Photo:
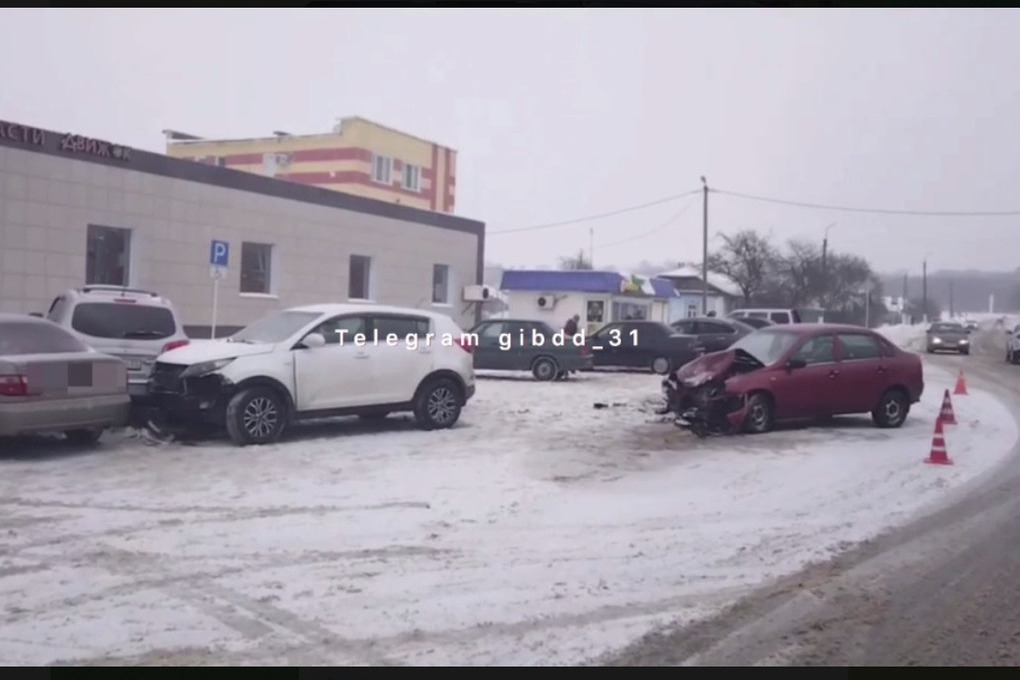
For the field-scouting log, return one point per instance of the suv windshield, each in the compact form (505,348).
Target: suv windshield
(947,328)
(766,345)
(275,327)
(19,337)
(123,321)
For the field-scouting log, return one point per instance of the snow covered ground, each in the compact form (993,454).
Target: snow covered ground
(541,530)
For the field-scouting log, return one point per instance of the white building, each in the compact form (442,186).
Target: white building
(598,297)
(76,211)
(723,293)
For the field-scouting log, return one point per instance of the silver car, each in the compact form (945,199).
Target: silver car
(948,336)
(50,381)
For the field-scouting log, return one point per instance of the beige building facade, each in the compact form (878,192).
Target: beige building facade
(77,211)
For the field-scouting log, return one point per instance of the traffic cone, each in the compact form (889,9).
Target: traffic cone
(946,415)
(938,454)
(961,384)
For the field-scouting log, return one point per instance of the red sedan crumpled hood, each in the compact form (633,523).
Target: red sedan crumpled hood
(716,366)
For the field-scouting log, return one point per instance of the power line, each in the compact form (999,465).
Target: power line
(599,216)
(876,211)
(646,234)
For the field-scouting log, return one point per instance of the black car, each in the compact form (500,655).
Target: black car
(527,345)
(714,334)
(643,344)
(756,322)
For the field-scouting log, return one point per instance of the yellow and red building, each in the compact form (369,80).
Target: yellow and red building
(358,157)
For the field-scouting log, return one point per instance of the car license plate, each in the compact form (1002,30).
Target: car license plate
(134,364)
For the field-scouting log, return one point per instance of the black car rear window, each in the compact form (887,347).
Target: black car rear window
(17,337)
(123,320)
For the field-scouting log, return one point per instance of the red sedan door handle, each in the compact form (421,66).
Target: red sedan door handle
(833,373)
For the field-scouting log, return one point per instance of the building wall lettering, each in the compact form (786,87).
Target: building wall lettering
(94,147)
(22,134)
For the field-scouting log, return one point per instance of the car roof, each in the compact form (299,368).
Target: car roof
(806,328)
(354,308)
(97,293)
(22,318)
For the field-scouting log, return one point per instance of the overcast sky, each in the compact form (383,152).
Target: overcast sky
(559,114)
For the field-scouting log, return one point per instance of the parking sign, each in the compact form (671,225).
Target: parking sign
(219,253)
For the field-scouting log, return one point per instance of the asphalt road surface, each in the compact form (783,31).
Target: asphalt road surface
(943,591)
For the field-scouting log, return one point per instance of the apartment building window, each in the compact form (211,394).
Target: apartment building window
(412,177)
(359,281)
(107,255)
(382,169)
(440,284)
(256,268)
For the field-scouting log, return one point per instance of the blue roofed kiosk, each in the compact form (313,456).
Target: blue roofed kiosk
(598,297)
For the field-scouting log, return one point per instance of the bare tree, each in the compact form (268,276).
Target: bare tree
(747,258)
(576,262)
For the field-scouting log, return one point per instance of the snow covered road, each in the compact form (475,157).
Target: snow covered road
(540,531)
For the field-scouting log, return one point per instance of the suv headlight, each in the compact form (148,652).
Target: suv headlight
(204,367)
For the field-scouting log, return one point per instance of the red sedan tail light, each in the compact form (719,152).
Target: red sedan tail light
(13,386)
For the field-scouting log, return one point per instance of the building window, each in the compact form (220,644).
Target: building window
(596,311)
(359,282)
(256,268)
(440,284)
(692,311)
(107,256)
(412,178)
(382,169)
(629,311)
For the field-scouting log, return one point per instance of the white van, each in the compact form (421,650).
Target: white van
(773,315)
(136,326)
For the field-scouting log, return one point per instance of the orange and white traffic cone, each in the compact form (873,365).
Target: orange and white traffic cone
(961,384)
(947,415)
(938,455)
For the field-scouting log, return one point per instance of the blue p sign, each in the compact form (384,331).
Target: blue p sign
(219,253)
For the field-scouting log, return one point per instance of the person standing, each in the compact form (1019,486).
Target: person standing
(570,328)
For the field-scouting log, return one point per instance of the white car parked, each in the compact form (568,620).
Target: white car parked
(1013,345)
(320,361)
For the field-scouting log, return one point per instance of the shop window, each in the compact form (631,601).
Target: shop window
(440,284)
(107,256)
(256,268)
(629,311)
(596,311)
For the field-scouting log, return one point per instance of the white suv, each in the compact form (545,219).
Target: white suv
(1013,345)
(133,325)
(319,361)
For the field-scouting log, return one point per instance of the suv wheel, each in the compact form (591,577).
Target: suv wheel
(256,416)
(437,405)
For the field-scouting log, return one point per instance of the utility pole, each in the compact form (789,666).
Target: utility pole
(903,302)
(591,247)
(924,290)
(704,251)
(951,315)
(825,262)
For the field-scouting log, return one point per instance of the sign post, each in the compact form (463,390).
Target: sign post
(219,256)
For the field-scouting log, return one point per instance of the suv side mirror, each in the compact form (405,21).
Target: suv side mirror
(313,340)
(794,364)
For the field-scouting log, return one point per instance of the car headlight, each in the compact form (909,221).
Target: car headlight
(204,367)
(936,340)
(965,341)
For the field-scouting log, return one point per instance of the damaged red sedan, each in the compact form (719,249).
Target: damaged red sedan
(795,372)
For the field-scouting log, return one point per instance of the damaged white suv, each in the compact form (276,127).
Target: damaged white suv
(319,361)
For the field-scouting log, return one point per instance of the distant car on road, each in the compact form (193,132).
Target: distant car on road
(947,336)
(970,324)
(319,361)
(793,372)
(776,316)
(50,381)
(527,345)
(713,333)
(643,344)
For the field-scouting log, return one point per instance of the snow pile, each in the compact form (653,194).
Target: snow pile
(906,336)
(539,531)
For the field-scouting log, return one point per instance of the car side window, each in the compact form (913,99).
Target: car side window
(817,350)
(779,317)
(342,329)
(858,346)
(635,334)
(490,332)
(399,326)
(686,327)
(714,328)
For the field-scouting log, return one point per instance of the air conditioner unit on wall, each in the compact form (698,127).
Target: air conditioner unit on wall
(546,302)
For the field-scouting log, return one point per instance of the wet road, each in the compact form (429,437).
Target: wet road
(943,591)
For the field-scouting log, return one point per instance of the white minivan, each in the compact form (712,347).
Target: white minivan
(133,325)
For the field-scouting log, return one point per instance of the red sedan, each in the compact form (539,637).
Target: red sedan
(794,372)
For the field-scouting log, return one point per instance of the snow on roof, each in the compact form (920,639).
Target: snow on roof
(720,281)
(585,281)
